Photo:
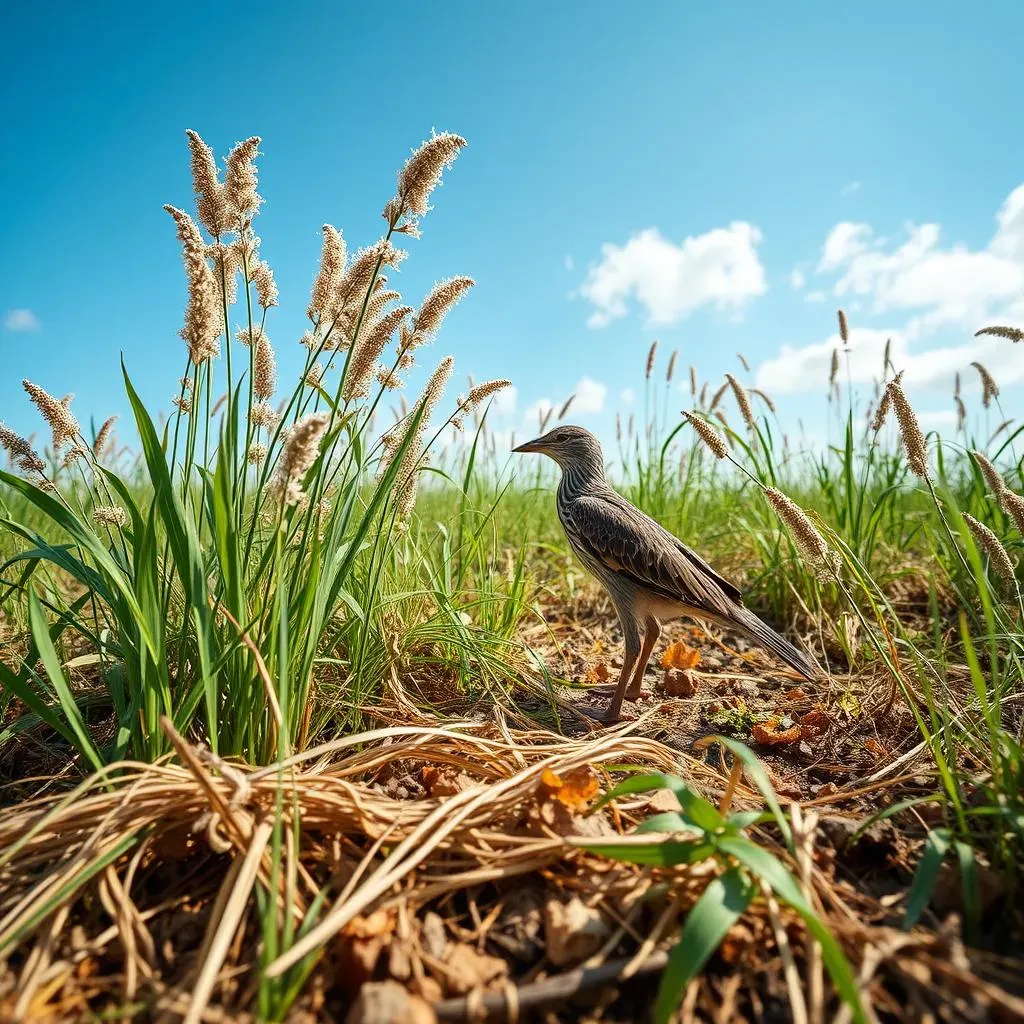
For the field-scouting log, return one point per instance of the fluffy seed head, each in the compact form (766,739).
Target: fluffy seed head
(961,412)
(99,445)
(240,179)
(764,398)
(910,429)
(718,396)
(956,384)
(20,451)
(314,374)
(299,453)
(202,315)
(651,353)
(804,532)
(183,403)
(57,415)
(833,372)
(360,276)
(256,454)
(389,379)
(262,415)
(989,388)
(998,557)
(671,366)
(1013,505)
(884,404)
(886,361)
(109,515)
(367,351)
(332,265)
(992,476)
(211,202)
(742,401)
(743,361)
(481,392)
(566,406)
(422,174)
(1010,333)
(412,458)
(266,286)
(708,435)
(693,381)
(844,328)
(442,297)
(264,370)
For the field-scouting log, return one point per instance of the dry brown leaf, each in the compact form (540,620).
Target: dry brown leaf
(769,733)
(444,781)
(794,695)
(680,655)
(679,683)
(815,721)
(574,790)
(572,931)
(876,748)
(468,969)
(598,673)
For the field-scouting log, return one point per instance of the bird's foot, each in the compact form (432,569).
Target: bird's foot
(605,716)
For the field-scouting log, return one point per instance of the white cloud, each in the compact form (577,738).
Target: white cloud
(590,395)
(628,396)
(720,268)
(851,188)
(537,412)
(797,279)
(21,320)
(815,296)
(806,369)
(940,285)
(937,419)
(845,241)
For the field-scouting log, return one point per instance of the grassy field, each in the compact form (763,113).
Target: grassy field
(291,707)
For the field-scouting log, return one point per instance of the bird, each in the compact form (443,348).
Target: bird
(650,575)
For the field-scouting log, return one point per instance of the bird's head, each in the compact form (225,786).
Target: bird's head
(570,447)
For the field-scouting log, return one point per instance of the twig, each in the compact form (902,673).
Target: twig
(562,986)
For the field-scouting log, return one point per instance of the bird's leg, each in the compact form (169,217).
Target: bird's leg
(650,639)
(629,658)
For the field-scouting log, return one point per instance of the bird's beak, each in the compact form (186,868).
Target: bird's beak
(530,446)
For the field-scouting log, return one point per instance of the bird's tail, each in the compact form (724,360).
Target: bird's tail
(747,621)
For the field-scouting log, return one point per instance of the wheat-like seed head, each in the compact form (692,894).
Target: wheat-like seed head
(961,412)
(99,445)
(264,370)
(844,327)
(20,452)
(436,305)
(262,414)
(367,351)
(332,265)
(886,361)
(618,428)
(1013,505)
(910,429)
(764,398)
(669,373)
(422,174)
(651,354)
(299,453)
(884,404)
(989,388)
(742,401)
(631,428)
(703,400)
(833,372)
(804,532)
(211,202)
(993,478)
(998,556)
(1002,426)
(566,406)
(257,454)
(708,434)
(266,287)
(109,515)
(226,265)
(718,396)
(359,277)
(956,384)
(203,313)
(389,379)
(56,413)
(1010,333)
(693,381)
(743,361)
(240,180)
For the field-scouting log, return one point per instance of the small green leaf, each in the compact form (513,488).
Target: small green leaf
(936,846)
(666,854)
(699,811)
(707,924)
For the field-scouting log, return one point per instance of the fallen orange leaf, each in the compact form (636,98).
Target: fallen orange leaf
(769,733)
(680,655)
(795,694)
(598,673)
(574,791)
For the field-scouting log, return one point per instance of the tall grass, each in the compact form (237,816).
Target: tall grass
(255,577)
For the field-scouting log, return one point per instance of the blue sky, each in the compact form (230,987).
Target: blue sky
(669,174)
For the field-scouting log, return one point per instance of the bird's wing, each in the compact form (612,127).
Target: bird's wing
(634,545)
